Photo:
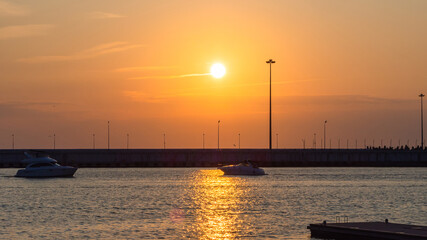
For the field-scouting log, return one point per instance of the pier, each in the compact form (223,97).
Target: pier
(368,231)
(214,157)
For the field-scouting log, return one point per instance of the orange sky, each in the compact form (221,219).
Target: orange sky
(67,68)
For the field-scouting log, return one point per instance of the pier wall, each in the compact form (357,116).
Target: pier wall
(214,157)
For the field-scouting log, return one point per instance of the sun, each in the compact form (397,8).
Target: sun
(217,70)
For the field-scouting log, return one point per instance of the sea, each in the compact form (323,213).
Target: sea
(201,203)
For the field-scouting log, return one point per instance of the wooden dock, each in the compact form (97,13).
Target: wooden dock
(368,230)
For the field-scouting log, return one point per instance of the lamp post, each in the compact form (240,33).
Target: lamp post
(108,134)
(314,141)
(270,62)
(218,133)
(324,134)
(164,141)
(127,141)
(422,130)
(239,140)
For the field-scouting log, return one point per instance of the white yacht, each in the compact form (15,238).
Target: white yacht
(246,168)
(42,166)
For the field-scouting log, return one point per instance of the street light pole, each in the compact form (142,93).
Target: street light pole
(239,140)
(108,133)
(127,141)
(324,134)
(270,62)
(422,121)
(314,141)
(218,133)
(164,141)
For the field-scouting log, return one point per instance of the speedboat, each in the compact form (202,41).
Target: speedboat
(43,167)
(246,168)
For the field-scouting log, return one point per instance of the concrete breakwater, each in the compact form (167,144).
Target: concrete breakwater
(214,157)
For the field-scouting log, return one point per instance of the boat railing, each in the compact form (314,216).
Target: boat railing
(341,219)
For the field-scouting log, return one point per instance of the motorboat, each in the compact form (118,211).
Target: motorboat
(42,166)
(245,168)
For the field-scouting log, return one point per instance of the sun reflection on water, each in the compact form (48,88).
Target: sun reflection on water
(218,205)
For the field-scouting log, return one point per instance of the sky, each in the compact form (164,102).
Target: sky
(69,67)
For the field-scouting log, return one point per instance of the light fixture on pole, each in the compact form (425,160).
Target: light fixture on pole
(270,62)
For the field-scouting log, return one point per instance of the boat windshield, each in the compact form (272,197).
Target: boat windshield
(35,165)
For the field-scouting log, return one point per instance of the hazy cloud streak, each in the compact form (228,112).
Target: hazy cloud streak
(24,30)
(105,15)
(172,76)
(88,53)
(9,9)
(142,68)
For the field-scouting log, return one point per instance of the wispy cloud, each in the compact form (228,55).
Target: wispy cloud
(7,109)
(105,15)
(24,30)
(85,54)
(142,68)
(171,76)
(9,9)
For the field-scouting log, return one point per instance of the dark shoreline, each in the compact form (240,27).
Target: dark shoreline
(213,157)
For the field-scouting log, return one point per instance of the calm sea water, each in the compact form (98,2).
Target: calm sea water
(194,203)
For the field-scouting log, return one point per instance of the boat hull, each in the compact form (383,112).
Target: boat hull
(241,170)
(48,172)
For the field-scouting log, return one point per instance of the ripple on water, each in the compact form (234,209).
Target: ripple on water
(203,204)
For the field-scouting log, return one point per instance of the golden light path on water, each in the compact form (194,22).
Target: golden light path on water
(218,201)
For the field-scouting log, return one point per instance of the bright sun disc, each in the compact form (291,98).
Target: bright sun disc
(217,70)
